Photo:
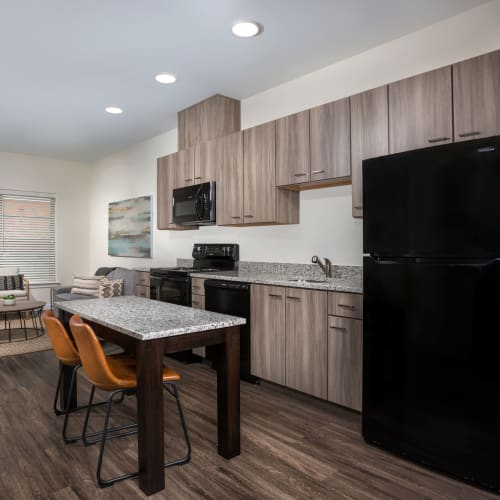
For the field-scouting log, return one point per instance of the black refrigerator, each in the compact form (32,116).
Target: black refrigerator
(431,340)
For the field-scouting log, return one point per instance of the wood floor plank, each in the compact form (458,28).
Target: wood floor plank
(293,446)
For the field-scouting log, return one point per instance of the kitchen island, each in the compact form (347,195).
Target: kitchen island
(149,329)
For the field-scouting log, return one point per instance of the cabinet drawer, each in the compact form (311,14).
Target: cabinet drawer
(197,286)
(142,291)
(142,278)
(345,361)
(198,301)
(349,305)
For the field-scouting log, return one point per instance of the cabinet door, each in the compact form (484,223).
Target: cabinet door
(184,172)
(292,149)
(420,111)
(259,170)
(369,137)
(267,338)
(208,158)
(330,141)
(230,180)
(165,184)
(306,341)
(476,97)
(345,361)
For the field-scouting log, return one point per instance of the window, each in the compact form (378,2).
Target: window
(27,236)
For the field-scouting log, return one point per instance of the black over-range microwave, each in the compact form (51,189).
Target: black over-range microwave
(194,205)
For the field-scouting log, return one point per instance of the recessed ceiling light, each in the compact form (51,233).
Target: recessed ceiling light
(165,78)
(113,110)
(247,29)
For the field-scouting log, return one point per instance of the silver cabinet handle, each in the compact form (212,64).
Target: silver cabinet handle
(195,286)
(299,175)
(438,139)
(358,206)
(469,134)
(195,302)
(275,295)
(248,216)
(293,298)
(339,328)
(347,306)
(235,217)
(197,178)
(317,172)
(188,180)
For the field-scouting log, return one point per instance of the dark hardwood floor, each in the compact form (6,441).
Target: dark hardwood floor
(293,447)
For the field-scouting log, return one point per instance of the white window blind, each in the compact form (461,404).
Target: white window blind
(28,236)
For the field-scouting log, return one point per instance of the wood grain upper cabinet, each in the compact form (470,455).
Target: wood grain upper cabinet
(229,152)
(369,137)
(476,97)
(259,167)
(208,156)
(267,339)
(214,117)
(184,173)
(330,141)
(306,341)
(292,149)
(166,183)
(420,111)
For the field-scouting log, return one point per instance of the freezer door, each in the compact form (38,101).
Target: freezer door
(431,381)
(442,201)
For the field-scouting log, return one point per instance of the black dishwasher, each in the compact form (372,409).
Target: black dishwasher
(232,297)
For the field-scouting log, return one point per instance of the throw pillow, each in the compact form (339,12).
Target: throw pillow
(86,285)
(14,282)
(110,288)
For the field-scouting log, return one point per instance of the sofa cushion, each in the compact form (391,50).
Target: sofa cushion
(16,293)
(128,277)
(86,285)
(9,271)
(71,296)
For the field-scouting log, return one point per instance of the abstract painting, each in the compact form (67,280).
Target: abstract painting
(129,233)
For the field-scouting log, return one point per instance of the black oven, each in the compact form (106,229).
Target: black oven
(169,288)
(194,205)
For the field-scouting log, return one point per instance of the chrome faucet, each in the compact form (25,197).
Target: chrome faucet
(326,267)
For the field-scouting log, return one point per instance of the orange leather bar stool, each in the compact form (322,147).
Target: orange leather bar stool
(67,354)
(118,377)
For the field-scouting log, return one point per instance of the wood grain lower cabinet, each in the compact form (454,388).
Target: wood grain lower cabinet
(420,111)
(268,333)
(330,141)
(292,149)
(306,341)
(345,361)
(369,137)
(198,302)
(476,97)
(142,284)
(229,153)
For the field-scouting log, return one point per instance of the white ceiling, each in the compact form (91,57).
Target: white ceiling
(63,61)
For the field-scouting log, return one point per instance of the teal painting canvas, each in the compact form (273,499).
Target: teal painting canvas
(129,229)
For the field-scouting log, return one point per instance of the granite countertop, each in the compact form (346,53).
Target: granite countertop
(347,284)
(146,319)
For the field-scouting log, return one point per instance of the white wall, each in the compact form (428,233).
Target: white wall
(326,227)
(69,181)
